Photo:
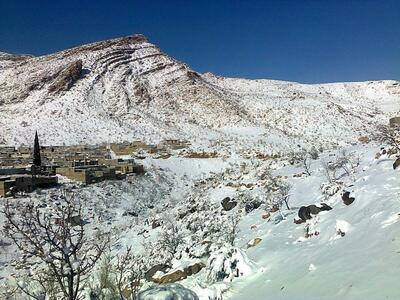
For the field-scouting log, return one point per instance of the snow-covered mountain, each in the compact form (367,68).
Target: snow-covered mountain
(233,237)
(126,88)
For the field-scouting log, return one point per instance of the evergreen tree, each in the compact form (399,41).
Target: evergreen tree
(36,152)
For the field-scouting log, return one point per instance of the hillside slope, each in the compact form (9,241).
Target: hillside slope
(359,263)
(126,88)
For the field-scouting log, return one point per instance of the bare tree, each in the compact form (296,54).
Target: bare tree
(388,135)
(306,163)
(328,171)
(233,228)
(303,158)
(128,271)
(283,194)
(280,196)
(120,276)
(58,241)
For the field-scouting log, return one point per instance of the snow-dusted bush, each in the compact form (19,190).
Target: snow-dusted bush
(331,188)
(171,238)
(119,277)
(226,263)
(344,161)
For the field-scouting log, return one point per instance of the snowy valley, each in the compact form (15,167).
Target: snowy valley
(285,190)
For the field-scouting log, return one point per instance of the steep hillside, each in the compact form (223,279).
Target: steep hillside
(126,88)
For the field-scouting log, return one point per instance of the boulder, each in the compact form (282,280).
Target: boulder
(194,269)
(253,242)
(396,163)
(153,270)
(130,213)
(314,209)
(298,221)
(250,206)
(306,211)
(274,209)
(155,224)
(228,203)
(394,122)
(347,199)
(174,275)
(266,216)
(170,277)
(364,139)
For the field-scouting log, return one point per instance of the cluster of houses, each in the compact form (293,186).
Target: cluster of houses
(24,169)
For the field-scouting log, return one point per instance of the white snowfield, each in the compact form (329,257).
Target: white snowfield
(127,89)
(361,264)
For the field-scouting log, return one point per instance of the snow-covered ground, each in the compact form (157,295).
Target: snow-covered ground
(127,89)
(363,264)
(352,253)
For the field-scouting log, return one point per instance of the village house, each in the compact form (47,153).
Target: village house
(173,144)
(88,174)
(91,171)
(9,185)
(82,163)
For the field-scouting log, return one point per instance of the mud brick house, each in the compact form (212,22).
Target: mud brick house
(173,144)
(88,174)
(24,183)
(124,166)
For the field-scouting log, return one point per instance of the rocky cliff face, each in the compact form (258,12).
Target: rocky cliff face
(126,88)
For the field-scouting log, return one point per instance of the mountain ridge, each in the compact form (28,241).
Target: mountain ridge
(126,88)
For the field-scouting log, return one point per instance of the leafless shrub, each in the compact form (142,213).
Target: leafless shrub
(328,171)
(304,158)
(119,277)
(66,254)
(344,161)
(347,161)
(281,196)
(232,229)
(171,238)
(306,163)
(388,135)
(129,270)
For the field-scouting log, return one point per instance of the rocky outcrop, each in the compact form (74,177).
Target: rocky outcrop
(67,77)
(250,206)
(394,122)
(134,90)
(155,224)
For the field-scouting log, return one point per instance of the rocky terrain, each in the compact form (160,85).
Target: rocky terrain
(126,88)
(282,192)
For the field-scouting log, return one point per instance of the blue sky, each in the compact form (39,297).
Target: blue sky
(305,41)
